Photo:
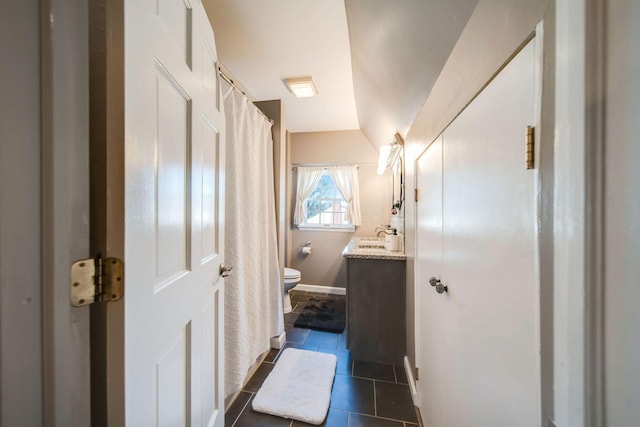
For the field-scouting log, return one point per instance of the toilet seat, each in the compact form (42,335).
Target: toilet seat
(291,279)
(291,275)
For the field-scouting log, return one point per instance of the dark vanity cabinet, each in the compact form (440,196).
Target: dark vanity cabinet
(376,310)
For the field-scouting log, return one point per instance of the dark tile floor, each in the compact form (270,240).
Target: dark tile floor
(364,394)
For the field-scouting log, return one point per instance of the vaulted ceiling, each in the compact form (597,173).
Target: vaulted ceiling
(374,61)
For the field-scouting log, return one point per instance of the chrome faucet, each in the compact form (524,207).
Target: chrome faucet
(386,229)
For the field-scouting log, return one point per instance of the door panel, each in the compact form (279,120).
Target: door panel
(172,194)
(209,242)
(429,311)
(210,77)
(209,375)
(176,17)
(173,217)
(479,342)
(172,384)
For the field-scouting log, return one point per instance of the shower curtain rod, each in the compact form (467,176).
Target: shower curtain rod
(295,166)
(233,85)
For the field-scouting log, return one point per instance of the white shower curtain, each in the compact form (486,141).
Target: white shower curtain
(253,292)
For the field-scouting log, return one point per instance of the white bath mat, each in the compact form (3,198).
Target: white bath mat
(298,387)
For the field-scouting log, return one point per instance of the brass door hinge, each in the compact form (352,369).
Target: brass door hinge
(417,373)
(415,195)
(530,147)
(96,279)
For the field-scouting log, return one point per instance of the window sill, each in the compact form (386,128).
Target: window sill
(333,228)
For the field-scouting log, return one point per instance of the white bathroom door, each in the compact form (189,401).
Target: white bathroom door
(430,310)
(174,217)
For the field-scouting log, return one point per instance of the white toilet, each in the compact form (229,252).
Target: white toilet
(291,278)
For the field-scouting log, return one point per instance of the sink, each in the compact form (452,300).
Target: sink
(371,243)
(371,240)
(372,246)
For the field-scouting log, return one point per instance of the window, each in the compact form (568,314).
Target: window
(327,198)
(325,205)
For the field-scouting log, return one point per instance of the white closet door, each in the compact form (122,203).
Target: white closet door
(430,310)
(490,255)
(174,192)
(479,342)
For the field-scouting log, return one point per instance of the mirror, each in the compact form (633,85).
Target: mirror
(398,194)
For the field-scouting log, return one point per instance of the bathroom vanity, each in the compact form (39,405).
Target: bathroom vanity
(376,302)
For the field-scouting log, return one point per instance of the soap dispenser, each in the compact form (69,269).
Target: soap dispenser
(393,241)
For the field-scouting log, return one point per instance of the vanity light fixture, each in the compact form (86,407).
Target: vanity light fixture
(302,87)
(389,154)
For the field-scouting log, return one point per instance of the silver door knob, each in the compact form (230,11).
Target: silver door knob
(433,281)
(225,270)
(440,288)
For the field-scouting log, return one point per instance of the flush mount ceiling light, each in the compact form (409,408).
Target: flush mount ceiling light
(389,154)
(302,87)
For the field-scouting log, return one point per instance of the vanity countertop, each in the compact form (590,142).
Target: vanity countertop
(370,248)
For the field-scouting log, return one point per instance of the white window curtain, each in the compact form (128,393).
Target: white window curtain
(308,178)
(346,180)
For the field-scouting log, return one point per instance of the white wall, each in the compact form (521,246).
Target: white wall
(65,170)
(44,341)
(326,266)
(21,373)
(275,111)
(622,215)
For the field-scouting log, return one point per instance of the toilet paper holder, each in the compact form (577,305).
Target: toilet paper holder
(305,248)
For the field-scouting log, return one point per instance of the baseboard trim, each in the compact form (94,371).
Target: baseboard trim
(412,381)
(320,289)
